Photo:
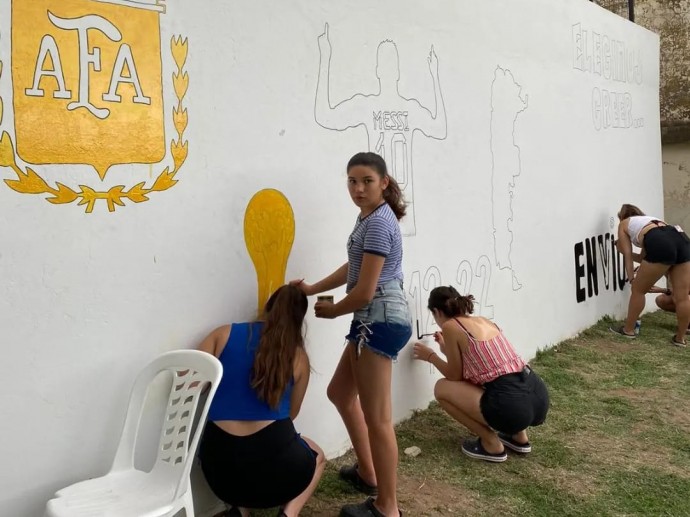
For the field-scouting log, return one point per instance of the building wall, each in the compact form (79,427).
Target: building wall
(165,167)
(671,20)
(677,184)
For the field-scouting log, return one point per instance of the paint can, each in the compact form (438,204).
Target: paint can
(325,298)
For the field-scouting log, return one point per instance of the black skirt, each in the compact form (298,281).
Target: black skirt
(263,470)
(512,403)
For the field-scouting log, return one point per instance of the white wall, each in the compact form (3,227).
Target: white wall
(87,298)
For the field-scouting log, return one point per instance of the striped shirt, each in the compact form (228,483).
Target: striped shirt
(379,234)
(485,361)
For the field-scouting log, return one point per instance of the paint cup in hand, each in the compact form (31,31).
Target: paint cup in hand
(325,298)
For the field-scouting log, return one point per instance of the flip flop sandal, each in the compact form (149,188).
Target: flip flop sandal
(680,344)
(351,475)
(474,449)
(365,509)
(621,332)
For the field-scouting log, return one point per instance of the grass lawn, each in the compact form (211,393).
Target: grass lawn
(616,441)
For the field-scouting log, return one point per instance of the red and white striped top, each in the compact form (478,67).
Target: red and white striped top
(485,361)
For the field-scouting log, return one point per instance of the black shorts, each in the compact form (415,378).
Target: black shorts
(666,245)
(263,470)
(514,402)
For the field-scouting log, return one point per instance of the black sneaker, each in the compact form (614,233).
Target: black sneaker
(507,440)
(365,509)
(473,448)
(351,475)
(621,332)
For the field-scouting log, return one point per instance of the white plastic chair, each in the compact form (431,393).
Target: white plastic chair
(165,490)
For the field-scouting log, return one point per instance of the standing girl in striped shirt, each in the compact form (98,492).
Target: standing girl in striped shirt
(488,388)
(381,326)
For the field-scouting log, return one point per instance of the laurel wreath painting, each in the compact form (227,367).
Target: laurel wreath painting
(28,182)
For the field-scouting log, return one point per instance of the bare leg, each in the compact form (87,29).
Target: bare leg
(374,384)
(680,279)
(342,392)
(460,400)
(295,506)
(521,437)
(665,303)
(647,275)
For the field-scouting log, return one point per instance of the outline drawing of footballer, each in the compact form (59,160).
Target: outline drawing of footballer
(389,119)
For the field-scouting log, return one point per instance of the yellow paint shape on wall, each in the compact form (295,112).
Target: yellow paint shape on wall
(269,231)
(87,83)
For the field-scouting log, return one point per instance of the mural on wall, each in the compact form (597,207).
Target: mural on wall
(468,280)
(587,266)
(88,88)
(269,231)
(507,103)
(389,119)
(616,63)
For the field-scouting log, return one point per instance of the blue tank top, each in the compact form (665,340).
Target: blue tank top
(235,398)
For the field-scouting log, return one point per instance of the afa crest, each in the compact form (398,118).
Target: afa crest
(88,86)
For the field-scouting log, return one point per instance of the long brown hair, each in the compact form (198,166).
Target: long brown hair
(281,336)
(450,302)
(392,194)
(628,210)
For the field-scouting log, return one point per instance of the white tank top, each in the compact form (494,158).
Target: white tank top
(635,225)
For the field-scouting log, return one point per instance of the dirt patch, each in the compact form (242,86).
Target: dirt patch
(417,497)
(673,408)
(639,396)
(679,415)
(576,483)
(631,453)
(428,497)
(610,346)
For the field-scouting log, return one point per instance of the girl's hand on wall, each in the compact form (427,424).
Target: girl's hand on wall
(422,352)
(438,337)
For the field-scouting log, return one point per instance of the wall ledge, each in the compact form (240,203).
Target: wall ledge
(675,131)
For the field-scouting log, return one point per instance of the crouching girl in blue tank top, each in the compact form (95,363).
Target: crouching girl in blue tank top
(250,453)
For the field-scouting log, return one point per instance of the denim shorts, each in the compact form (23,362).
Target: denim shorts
(384,324)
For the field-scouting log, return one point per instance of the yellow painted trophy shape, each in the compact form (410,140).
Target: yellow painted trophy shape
(269,231)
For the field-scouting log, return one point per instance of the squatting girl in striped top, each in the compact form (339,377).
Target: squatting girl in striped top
(488,388)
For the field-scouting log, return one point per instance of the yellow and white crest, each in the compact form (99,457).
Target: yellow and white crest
(87,86)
